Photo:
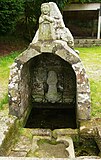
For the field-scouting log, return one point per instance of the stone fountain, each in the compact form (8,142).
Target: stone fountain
(49,76)
(50,71)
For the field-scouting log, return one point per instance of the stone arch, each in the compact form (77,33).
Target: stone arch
(19,103)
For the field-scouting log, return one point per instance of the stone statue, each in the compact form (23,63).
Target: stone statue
(51,25)
(52,95)
(45,23)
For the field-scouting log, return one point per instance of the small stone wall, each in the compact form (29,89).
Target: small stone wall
(87,42)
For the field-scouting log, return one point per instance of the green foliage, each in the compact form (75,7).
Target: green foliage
(10,11)
(85,147)
(4,101)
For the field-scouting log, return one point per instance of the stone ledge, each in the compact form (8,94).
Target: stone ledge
(87,42)
(7,131)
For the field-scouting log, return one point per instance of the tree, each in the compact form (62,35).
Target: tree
(10,11)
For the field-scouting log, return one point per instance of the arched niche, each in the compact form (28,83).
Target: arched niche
(29,84)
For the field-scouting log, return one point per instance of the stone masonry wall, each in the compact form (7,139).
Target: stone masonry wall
(44,64)
(87,42)
(19,89)
(19,82)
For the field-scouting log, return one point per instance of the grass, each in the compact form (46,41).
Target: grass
(96,97)
(4,101)
(5,63)
(91,58)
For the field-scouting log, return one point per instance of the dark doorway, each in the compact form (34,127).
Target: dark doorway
(51,118)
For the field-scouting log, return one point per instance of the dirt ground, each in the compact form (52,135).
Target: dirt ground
(8,46)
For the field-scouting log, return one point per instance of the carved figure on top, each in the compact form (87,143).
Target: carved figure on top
(46,23)
(51,25)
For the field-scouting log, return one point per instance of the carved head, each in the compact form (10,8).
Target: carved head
(45,8)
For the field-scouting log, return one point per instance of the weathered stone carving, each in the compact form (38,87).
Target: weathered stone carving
(49,70)
(52,94)
(51,25)
(46,24)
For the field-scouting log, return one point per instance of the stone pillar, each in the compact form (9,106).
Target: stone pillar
(99,24)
